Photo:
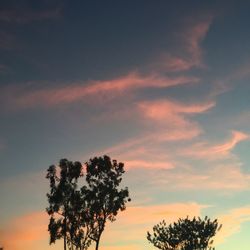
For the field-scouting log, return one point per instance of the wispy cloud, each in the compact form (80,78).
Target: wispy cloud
(30,230)
(194,35)
(3,68)
(189,40)
(147,164)
(162,110)
(25,15)
(232,222)
(217,151)
(27,230)
(207,178)
(140,219)
(7,40)
(172,118)
(162,121)
(27,97)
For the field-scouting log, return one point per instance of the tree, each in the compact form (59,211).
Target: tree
(104,198)
(79,214)
(65,202)
(185,234)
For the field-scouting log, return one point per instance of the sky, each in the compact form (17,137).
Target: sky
(162,86)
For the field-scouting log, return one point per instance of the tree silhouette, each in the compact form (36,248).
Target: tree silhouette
(65,202)
(78,215)
(185,234)
(103,195)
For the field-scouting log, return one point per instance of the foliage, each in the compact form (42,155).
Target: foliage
(65,203)
(185,234)
(78,215)
(104,199)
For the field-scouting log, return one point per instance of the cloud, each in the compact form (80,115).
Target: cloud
(209,178)
(189,41)
(7,41)
(3,68)
(30,230)
(217,151)
(147,164)
(27,230)
(194,35)
(140,219)
(165,109)
(232,222)
(27,97)
(163,122)
(25,15)
(171,118)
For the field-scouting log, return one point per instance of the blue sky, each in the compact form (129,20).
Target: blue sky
(162,86)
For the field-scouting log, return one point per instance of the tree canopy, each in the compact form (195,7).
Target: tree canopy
(185,234)
(62,201)
(78,214)
(105,199)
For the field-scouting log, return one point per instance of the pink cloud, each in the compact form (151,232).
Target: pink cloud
(132,164)
(189,41)
(218,151)
(25,97)
(172,63)
(194,35)
(172,118)
(162,121)
(170,110)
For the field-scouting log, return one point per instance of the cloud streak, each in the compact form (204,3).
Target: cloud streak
(232,222)
(217,151)
(23,16)
(30,230)
(27,230)
(27,97)
(189,41)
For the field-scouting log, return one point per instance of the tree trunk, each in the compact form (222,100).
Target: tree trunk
(64,237)
(97,244)
(65,242)
(98,241)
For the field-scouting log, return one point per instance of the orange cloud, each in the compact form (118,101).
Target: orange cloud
(25,232)
(30,231)
(140,219)
(231,223)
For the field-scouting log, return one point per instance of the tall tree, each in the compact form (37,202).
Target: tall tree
(185,234)
(104,198)
(65,202)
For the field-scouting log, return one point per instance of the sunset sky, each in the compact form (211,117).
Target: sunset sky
(163,86)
